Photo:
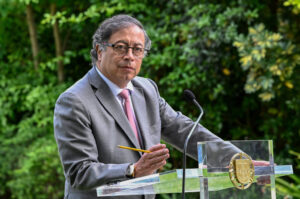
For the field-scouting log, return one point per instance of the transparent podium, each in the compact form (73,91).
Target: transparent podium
(228,169)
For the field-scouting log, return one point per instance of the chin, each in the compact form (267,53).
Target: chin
(129,77)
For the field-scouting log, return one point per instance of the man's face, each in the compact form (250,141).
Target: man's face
(120,69)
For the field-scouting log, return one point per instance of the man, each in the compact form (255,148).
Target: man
(112,106)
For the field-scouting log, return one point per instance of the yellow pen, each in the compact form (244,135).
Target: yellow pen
(134,149)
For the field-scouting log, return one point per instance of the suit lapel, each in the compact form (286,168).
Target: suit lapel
(109,102)
(139,104)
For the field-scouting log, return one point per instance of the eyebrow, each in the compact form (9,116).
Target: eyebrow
(122,41)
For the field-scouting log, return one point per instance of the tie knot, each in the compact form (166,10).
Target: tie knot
(125,94)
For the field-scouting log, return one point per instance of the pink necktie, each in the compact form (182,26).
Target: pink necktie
(125,94)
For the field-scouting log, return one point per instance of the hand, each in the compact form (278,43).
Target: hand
(260,163)
(262,180)
(150,162)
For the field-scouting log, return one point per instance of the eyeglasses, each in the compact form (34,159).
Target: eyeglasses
(122,49)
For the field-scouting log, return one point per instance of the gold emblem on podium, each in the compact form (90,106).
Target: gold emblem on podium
(241,171)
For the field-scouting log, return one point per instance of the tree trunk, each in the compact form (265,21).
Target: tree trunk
(58,46)
(33,35)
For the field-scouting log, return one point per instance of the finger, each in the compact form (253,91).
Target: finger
(157,165)
(158,159)
(261,163)
(147,159)
(147,166)
(157,147)
(146,169)
(158,153)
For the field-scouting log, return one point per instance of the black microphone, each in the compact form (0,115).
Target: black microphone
(189,96)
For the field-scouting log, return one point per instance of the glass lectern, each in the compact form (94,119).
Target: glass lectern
(228,169)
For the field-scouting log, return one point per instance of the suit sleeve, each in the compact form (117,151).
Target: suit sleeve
(77,146)
(176,126)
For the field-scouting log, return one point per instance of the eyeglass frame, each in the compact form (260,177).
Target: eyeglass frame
(146,51)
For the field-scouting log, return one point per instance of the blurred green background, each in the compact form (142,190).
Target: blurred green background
(241,58)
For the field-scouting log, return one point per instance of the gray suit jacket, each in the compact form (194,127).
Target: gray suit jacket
(89,124)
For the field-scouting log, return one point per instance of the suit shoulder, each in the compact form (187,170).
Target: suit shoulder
(148,86)
(79,89)
(145,82)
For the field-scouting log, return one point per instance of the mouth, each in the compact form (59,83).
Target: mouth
(127,67)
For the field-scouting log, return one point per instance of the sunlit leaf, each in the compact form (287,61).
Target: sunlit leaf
(266,96)
(289,85)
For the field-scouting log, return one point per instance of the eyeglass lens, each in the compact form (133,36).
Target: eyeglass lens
(123,49)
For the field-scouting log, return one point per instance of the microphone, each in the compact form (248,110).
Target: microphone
(189,96)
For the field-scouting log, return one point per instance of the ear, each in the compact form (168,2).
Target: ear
(99,53)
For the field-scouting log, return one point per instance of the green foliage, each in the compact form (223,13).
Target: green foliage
(295,4)
(41,173)
(28,150)
(241,63)
(269,60)
(192,49)
(91,12)
(28,1)
(291,187)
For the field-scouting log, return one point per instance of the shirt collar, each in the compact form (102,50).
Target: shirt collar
(113,87)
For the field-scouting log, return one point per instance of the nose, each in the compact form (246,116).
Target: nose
(129,53)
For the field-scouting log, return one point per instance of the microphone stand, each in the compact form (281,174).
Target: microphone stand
(185,146)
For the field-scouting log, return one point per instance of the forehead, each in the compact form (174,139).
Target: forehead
(131,35)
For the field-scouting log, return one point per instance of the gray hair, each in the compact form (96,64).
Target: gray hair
(109,27)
